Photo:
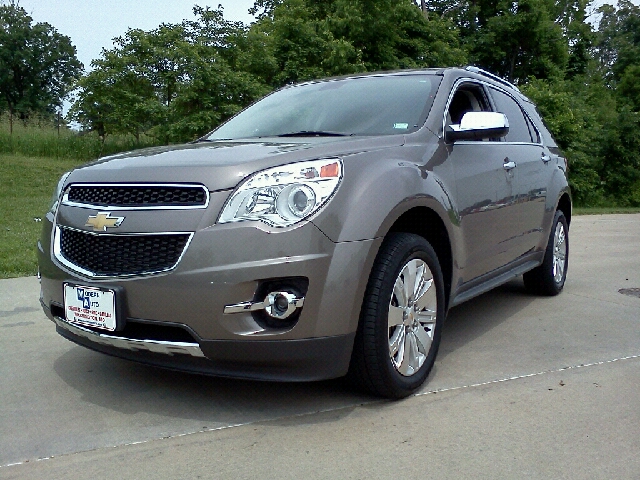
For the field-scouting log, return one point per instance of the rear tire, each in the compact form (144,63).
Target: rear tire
(549,277)
(401,319)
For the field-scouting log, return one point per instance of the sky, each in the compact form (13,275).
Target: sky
(92,24)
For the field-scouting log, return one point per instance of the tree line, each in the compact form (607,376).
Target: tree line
(581,66)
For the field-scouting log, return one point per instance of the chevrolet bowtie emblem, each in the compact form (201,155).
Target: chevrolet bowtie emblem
(102,221)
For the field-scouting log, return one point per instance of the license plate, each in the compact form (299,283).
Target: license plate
(90,306)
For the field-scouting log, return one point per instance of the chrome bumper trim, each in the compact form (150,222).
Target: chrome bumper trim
(156,346)
(255,306)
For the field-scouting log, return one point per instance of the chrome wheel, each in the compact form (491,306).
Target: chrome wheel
(549,277)
(412,317)
(559,253)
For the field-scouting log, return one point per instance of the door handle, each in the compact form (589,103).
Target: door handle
(510,165)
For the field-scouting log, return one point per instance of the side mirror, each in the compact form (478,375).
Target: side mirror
(478,125)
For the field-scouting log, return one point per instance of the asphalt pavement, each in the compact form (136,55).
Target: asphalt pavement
(523,387)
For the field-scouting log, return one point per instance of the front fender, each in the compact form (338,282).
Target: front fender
(375,192)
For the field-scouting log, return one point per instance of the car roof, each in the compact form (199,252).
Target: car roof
(460,71)
(470,71)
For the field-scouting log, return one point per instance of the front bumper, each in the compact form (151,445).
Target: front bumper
(279,360)
(224,265)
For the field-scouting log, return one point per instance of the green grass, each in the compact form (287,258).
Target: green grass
(26,185)
(604,210)
(44,140)
(32,159)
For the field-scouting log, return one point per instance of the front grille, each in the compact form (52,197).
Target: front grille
(132,196)
(119,255)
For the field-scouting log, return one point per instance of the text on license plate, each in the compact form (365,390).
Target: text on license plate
(90,306)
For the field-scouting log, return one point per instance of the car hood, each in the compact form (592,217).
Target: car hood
(220,165)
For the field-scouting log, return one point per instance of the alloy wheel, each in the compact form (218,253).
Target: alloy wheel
(412,317)
(559,253)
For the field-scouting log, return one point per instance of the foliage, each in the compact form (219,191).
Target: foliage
(305,39)
(573,114)
(38,137)
(592,109)
(176,82)
(620,150)
(173,83)
(619,40)
(38,65)
(514,39)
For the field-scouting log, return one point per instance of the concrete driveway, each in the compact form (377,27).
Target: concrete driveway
(523,387)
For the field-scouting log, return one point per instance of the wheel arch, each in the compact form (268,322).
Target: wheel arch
(424,221)
(564,204)
(372,365)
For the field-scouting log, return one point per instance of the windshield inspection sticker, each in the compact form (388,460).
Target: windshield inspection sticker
(401,126)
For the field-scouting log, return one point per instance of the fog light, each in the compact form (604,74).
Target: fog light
(280,305)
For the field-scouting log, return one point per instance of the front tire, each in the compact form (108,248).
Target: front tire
(549,277)
(401,319)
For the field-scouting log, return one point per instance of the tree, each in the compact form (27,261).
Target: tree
(514,39)
(619,151)
(572,16)
(115,98)
(178,81)
(575,111)
(175,82)
(219,84)
(619,38)
(38,65)
(296,40)
(629,87)
(618,51)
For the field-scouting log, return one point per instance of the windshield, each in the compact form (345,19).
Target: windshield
(373,105)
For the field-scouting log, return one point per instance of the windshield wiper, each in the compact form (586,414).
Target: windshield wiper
(204,139)
(313,133)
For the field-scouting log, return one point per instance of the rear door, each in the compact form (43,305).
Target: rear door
(532,171)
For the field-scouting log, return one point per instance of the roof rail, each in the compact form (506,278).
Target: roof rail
(480,71)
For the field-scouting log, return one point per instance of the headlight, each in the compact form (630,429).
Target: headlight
(55,198)
(285,195)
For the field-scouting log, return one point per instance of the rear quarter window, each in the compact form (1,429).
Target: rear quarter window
(547,138)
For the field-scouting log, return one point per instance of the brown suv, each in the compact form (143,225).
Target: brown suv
(325,230)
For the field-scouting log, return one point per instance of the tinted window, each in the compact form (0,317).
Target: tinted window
(518,127)
(468,97)
(381,105)
(541,127)
(535,136)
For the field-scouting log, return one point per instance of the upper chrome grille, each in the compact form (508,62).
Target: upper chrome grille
(132,196)
(107,255)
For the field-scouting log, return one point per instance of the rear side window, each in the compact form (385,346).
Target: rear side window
(520,129)
(535,136)
(541,127)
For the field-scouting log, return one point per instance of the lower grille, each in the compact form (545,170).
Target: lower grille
(121,255)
